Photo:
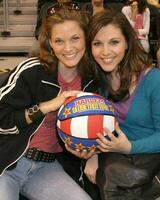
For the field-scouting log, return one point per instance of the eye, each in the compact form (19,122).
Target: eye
(76,38)
(96,43)
(58,41)
(114,42)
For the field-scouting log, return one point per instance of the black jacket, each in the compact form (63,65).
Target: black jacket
(27,85)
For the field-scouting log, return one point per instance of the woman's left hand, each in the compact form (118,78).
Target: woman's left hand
(118,144)
(91,168)
(80,154)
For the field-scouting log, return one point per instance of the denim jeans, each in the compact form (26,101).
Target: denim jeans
(39,181)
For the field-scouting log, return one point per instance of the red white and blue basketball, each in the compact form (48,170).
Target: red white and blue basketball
(81,117)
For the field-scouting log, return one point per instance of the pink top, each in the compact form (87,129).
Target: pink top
(143,23)
(46,138)
(139,25)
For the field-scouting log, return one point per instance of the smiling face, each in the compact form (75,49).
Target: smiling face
(68,43)
(108,47)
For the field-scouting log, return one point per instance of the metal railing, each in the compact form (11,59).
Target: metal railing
(18,10)
(5,31)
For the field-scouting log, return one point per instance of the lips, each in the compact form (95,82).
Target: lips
(107,60)
(69,56)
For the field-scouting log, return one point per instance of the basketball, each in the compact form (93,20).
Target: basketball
(81,117)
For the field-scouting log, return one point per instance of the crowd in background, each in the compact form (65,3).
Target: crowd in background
(147,25)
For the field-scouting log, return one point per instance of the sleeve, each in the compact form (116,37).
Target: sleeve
(146,23)
(15,97)
(127,12)
(151,143)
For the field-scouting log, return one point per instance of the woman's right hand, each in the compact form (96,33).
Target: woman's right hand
(119,144)
(55,104)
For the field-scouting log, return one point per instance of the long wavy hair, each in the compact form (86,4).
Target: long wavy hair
(134,61)
(46,53)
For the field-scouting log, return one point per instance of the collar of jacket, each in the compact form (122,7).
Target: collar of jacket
(52,80)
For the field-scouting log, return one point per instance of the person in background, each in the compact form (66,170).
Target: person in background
(30,98)
(154,33)
(138,15)
(42,8)
(116,4)
(155,3)
(94,7)
(40,4)
(130,160)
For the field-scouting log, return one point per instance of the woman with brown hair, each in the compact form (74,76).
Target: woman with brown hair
(130,160)
(29,102)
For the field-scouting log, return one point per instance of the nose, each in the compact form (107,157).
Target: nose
(67,46)
(106,49)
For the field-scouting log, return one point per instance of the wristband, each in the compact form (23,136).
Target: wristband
(34,113)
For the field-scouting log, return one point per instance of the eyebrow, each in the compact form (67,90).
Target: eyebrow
(114,38)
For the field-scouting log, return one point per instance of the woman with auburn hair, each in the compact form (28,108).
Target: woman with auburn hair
(29,102)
